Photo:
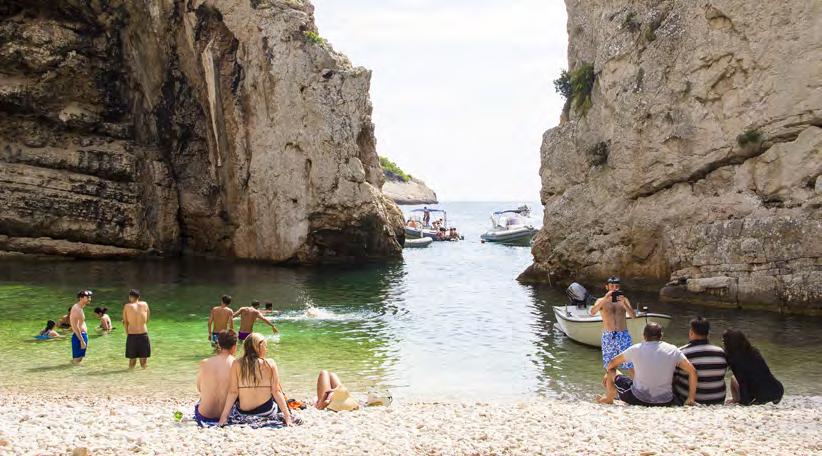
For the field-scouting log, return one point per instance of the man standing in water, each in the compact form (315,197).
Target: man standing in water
(213,380)
(615,336)
(79,331)
(221,318)
(135,322)
(248,316)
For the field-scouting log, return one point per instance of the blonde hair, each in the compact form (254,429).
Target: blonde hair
(250,369)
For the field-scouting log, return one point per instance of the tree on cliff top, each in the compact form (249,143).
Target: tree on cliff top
(392,168)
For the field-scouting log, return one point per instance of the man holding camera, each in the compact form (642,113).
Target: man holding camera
(615,336)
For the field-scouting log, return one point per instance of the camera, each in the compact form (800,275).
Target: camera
(615,295)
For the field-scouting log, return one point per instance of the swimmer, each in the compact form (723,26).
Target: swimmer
(64,321)
(105,320)
(249,316)
(48,332)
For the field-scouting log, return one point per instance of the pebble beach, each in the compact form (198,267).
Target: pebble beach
(32,424)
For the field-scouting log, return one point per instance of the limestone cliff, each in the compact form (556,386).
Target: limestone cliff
(412,191)
(699,158)
(227,128)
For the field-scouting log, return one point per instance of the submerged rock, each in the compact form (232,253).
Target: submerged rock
(224,128)
(699,157)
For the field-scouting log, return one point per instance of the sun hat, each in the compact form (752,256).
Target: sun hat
(341,400)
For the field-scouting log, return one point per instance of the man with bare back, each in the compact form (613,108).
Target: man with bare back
(248,316)
(79,330)
(615,336)
(221,318)
(135,322)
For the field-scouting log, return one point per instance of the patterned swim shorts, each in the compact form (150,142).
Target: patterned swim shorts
(614,343)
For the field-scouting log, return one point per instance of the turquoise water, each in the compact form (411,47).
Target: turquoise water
(447,322)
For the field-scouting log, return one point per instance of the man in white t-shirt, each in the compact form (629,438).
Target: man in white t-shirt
(654,364)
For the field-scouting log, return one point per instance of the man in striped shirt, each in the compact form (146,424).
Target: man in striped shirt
(710,363)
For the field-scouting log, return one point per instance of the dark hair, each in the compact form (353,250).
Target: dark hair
(652,332)
(226,339)
(269,305)
(700,326)
(50,325)
(614,280)
(226,299)
(737,345)
(134,292)
(101,310)
(255,303)
(84,293)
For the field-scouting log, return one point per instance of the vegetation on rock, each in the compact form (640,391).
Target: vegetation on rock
(576,86)
(749,138)
(392,168)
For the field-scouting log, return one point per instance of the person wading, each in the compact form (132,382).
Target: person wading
(248,316)
(615,336)
(135,321)
(79,330)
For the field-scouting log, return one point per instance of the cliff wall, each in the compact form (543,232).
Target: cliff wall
(412,191)
(226,128)
(699,157)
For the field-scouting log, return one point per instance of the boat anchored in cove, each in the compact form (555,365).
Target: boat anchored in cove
(420,225)
(576,322)
(510,227)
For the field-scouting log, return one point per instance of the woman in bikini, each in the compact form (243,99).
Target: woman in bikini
(254,386)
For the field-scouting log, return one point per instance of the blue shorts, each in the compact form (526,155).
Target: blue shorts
(76,351)
(203,421)
(614,343)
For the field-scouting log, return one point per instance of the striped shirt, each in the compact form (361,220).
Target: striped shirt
(711,366)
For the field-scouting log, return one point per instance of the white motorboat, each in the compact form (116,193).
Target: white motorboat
(510,227)
(577,323)
(417,243)
(420,226)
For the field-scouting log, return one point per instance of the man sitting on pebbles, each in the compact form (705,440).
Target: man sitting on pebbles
(213,380)
(654,363)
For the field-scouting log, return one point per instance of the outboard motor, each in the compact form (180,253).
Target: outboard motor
(579,296)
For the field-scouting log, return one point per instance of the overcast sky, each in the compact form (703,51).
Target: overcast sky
(461,89)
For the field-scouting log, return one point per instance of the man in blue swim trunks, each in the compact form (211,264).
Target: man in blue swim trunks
(79,331)
(615,336)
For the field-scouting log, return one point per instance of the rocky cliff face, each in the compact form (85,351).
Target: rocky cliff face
(700,157)
(413,191)
(226,128)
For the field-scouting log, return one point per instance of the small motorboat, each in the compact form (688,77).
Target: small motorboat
(576,322)
(417,243)
(419,226)
(510,227)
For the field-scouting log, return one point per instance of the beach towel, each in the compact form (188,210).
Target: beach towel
(272,419)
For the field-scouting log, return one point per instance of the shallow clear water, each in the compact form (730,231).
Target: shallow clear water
(447,322)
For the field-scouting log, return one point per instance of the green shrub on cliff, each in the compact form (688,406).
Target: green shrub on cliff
(392,168)
(576,86)
(314,37)
(749,138)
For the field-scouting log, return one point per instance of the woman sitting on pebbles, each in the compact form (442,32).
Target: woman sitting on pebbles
(752,382)
(254,397)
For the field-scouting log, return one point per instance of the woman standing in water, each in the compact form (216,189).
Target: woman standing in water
(752,381)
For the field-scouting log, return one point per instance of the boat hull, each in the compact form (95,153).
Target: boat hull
(418,243)
(588,330)
(516,236)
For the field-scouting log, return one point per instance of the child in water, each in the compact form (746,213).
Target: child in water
(105,320)
(48,332)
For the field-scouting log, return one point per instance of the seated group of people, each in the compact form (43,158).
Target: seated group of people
(246,390)
(693,374)
(447,235)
